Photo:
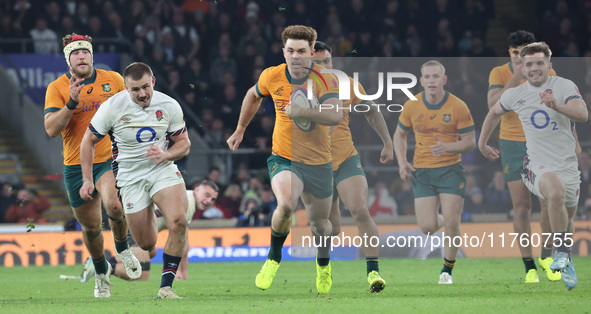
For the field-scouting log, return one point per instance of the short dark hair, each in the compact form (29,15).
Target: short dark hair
(520,38)
(536,47)
(137,70)
(210,184)
(321,46)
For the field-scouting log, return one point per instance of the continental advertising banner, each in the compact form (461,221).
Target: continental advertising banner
(252,244)
(38,70)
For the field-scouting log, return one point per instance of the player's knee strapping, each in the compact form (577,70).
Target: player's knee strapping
(91,236)
(117,221)
(118,239)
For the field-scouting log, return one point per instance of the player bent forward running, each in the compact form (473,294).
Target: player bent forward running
(513,150)
(437,118)
(71,101)
(350,184)
(301,161)
(140,121)
(547,107)
(201,197)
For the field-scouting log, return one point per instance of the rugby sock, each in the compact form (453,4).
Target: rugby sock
(100,265)
(171,264)
(113,261)
(323,245)
(121,245)
(277,240)
(372,264)
(560,242)
(529,263)
(448,265)
(546,252)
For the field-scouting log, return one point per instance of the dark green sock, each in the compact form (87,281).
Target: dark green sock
(100,265)
(277,240)
(529,263)
(121,245)
(372,264)
(323,261)
(546,252)
(448,265)
(323,246)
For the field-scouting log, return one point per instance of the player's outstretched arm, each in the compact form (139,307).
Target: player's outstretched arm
(250,105)
(86,158)
(405,168)
(376,121)
(490,123)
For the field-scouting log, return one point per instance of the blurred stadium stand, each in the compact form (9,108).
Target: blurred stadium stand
(206,54)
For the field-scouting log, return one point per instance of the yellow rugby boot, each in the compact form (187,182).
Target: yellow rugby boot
(376,283)
(545,264)
(265,277)
(323,278)
(532,276)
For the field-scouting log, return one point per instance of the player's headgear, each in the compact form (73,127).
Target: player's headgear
(77,42)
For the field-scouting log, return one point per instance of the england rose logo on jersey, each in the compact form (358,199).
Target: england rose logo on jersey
(159,115)
(548,91)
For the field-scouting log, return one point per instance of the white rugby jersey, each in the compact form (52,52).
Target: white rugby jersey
(134,129)
(549,134)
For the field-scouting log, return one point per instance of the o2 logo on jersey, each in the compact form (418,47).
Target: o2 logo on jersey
(546,120)
(152,132)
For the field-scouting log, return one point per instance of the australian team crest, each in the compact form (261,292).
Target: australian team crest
(159,115)
(106,87)
(447,117)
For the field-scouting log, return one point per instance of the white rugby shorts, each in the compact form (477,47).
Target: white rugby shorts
(571,177)
(138,195)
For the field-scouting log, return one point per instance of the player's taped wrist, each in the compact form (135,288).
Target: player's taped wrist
(71,104)
(240,128)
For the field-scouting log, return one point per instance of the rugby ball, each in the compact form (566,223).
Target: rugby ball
(300,98)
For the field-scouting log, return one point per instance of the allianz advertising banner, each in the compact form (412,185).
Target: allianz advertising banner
(38,70)
(477,240)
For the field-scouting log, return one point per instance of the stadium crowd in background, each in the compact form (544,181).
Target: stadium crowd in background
(27,205)
(211,52)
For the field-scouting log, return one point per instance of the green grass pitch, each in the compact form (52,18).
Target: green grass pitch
(480,286)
